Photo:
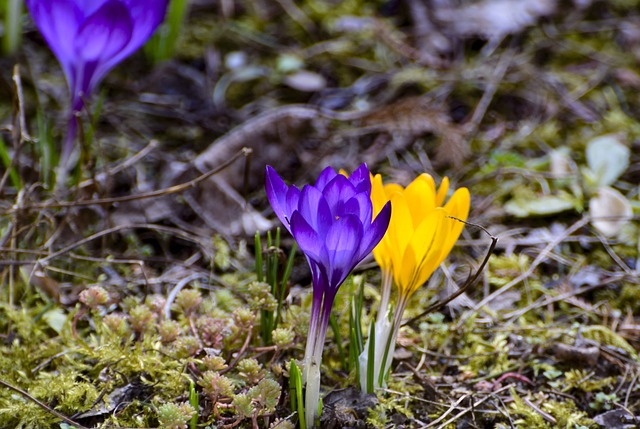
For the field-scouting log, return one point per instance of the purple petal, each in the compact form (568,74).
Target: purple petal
(338,191)
(314,209)
(58,21)
(325,177)
(342,244)
(292,200)
(308,240)
(90,37)
(361,179)
(373,233)
(101,37)
(146,15)
(360,206)
(88,7)
(104,33)
(277,192)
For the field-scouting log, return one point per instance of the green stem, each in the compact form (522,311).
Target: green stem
(12,26)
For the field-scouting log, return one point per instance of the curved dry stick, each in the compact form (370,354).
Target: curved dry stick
(182,234)
(159,193)
(153,144)
(470,281)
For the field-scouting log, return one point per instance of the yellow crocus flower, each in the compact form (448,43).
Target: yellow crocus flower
(422,230)
(421,233)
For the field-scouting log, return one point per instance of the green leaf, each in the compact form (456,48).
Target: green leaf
(371,358)
(295,388)
(56,319)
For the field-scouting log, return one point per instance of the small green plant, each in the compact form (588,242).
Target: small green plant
(174,416)
(268,265)
(604,401)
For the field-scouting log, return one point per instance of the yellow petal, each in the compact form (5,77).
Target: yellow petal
(382,253)
(392,188)
(417,251)
(420,195)
(404,271)
(457,207)
(442,192)
(400,229)
(378,195)
(431,243)
(437,253)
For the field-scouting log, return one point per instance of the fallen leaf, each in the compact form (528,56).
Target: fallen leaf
(609,211)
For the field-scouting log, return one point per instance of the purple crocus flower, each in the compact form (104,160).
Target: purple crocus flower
(90,37)
(332,222)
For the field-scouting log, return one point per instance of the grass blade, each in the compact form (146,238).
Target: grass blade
(295,388)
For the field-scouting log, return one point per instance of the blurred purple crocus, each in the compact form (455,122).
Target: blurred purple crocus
(332,222)
(90,37)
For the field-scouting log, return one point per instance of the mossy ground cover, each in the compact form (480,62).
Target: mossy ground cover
(131,299)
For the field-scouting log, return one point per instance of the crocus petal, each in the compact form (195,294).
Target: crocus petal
(416,252)
(429,244)
(382,255)
(378,195)
(320,280)
(459,204)
(458,208)
(88,7)
(89,37)
(442,192)
(277,194)
(376,231)
(360,206)
(308,239)
(147,16)
(58,22)
(314,209)
(100,37)
(342,243)
(420,196)
(361,180)
(400,228)
(292,200)
(104,33)
(325,177)
(338,191)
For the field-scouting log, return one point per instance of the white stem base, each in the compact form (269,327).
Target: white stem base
(312,392)
(383,330)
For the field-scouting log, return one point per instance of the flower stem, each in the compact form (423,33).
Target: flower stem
(386,333)
(387,282)
(320,314)
(12,26)
(381,334)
